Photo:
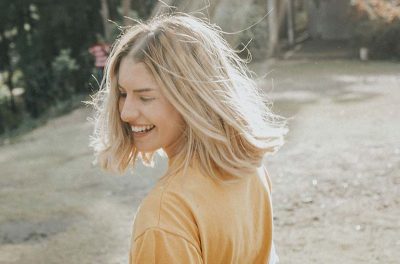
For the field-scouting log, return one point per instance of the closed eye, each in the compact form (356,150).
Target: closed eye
(146,99)
(122,94)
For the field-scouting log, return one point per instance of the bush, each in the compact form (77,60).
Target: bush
(9,120)
(37,83)
(64,70)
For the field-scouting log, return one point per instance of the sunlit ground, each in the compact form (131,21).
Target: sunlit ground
(336,181)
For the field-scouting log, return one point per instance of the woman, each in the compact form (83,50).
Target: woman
(174,85)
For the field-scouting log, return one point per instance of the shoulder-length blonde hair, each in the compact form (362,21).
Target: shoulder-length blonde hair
(229,125)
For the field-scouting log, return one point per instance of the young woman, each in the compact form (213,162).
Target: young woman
(174,85)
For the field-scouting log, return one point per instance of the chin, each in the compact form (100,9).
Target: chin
(148,149)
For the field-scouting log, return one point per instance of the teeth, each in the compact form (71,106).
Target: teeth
(141,128)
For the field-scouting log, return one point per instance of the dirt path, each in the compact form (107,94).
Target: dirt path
(335,183)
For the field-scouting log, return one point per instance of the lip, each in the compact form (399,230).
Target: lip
(140,126)
(140,134)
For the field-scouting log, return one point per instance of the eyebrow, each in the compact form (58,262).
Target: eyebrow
(138,90)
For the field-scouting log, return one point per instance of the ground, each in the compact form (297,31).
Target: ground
(335,182)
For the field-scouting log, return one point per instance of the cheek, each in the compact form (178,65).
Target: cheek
(177,126)
(171,120)
(170,124)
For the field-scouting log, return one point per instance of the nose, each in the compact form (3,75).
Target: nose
(128,110)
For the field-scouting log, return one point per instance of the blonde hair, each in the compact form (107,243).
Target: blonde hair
(229,124)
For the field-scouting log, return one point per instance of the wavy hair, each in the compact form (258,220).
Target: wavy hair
(229,123)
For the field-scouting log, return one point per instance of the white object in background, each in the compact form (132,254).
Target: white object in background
(273,259)
(364,53)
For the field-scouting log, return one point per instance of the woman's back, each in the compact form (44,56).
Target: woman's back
(194,219)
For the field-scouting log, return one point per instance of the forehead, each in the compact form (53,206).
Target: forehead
(135,75)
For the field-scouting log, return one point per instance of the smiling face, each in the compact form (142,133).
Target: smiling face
(155,123)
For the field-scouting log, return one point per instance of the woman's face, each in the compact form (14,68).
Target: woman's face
(155,123)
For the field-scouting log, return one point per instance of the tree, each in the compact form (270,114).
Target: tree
(32,34)
(273,26)
(126,9)
(105,16)
(377,27)
(9,27)
(383,9)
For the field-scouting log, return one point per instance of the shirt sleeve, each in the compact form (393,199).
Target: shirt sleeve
(159,246)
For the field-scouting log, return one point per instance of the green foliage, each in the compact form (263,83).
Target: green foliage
(38,80)
(47,43)
(64,69)
(9,120)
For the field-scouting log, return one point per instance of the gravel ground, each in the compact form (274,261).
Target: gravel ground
(335,182)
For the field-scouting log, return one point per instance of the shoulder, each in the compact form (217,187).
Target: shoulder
(167,207)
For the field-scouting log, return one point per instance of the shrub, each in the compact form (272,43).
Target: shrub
(9,120)
(64,70)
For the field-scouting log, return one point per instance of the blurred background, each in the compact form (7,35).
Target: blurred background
(331,67)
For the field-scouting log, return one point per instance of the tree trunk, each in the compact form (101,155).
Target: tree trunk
(162,6)
(105,14)
(10,85)
(290,22)
(273,26)
(126,9)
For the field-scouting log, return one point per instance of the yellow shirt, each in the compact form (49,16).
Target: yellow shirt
(194,219)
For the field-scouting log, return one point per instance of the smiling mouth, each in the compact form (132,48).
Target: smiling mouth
(144,131)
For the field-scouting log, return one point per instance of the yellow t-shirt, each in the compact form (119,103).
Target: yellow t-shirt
(194,219)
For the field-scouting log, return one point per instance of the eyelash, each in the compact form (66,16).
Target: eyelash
(144,99)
